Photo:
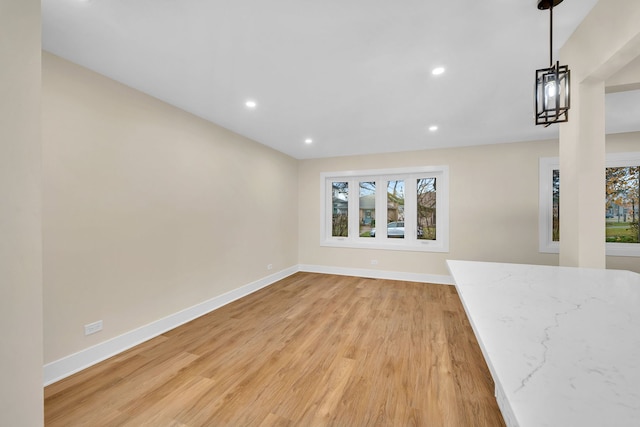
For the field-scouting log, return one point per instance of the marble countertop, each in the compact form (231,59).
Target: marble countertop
(562,343)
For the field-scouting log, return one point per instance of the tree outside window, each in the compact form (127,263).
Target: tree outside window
(622,204)
(556,205)
(426,189)
(340,201)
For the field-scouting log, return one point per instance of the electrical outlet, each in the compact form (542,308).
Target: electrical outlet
(92,328)
(269,266)
(374,262)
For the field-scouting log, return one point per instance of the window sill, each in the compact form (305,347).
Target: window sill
(612,249)
(389,244)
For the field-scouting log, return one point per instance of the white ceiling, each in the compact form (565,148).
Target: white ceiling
(353,75)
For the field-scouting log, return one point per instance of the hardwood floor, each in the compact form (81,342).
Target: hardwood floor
(310,350)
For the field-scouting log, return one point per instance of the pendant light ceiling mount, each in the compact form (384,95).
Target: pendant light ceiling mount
(552,83)
(546,4)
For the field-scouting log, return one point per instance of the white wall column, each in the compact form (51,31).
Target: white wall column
(605,42)
(582,175)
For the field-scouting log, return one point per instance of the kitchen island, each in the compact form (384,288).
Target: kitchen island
(562,343)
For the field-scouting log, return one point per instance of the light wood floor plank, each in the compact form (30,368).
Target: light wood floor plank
(312,350)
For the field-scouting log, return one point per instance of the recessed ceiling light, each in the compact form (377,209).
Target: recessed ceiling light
(308,141)
(433,128)
(437,71)
(250,104)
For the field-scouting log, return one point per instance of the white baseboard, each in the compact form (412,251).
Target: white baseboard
(378,274)
(76,362)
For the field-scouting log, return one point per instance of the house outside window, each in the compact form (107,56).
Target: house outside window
(367,208)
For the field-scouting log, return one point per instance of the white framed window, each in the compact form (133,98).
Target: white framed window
(621,204)
(397,209)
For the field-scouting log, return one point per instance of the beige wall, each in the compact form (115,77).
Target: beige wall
(493,206)
(20,215)
(149,210)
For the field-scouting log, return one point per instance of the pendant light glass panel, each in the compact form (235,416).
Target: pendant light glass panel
(552,94)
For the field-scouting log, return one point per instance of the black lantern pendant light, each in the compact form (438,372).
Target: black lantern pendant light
(552,84)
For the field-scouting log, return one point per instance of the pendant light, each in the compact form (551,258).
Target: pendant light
(552,83)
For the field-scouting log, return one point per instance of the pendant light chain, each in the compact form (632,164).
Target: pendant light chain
(551,35)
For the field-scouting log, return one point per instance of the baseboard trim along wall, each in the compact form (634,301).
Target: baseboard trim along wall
(83,359)
(378,274)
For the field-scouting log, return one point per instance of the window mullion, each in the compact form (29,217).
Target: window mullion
(328,208)
(410,208)
(354,206)
(442,206)
(381,208)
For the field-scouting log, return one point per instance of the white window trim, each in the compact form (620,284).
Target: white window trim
(545,239)
(441,244)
